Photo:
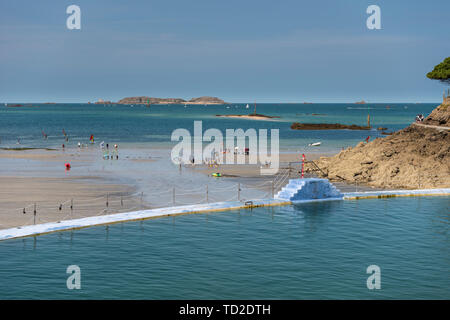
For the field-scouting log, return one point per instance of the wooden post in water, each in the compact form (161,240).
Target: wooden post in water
(239,191)
(273,189)
(207,196)
(71,207)
(34,213)
(303,164)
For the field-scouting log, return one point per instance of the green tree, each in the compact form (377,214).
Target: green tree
(441,72)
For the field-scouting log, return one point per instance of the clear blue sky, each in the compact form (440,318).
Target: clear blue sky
(283,51)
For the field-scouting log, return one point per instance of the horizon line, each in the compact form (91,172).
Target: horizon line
(226,103)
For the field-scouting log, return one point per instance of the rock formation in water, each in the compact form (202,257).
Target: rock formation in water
(206,100)
(326,126)
(150,100)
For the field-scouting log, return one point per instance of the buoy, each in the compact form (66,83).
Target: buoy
(67,166)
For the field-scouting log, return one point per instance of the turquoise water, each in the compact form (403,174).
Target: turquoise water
(154,125)
(310,251)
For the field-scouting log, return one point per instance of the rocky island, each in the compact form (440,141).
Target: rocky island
(150,100)
(327,126)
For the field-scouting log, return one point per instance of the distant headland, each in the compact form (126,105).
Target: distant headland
(151,100)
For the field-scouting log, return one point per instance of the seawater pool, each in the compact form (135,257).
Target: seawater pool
(309,251)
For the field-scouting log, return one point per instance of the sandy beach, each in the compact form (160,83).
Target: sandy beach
(18,196)
(141,178)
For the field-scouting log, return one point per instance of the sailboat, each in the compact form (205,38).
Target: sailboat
(247,106)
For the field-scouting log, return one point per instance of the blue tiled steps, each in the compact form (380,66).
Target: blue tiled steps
(308,189)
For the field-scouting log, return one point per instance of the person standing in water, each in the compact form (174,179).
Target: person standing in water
(116,149)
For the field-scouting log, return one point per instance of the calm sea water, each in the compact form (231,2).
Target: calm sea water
(310,251)
(154,125)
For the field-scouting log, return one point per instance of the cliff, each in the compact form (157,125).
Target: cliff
(415,157)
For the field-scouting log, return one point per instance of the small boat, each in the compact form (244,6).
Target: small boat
(247,106)
(315,144)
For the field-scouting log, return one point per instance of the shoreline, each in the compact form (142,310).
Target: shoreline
(141,178)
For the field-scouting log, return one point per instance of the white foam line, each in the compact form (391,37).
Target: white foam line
(316,200)
(418,192)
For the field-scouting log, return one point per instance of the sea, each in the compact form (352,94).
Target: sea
(144,126)
(306,251)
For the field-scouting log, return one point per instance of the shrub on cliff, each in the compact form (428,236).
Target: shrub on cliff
(441,71)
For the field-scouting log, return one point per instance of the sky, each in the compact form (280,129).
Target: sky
(240,51)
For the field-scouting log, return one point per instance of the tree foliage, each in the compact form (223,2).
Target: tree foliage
(441,71)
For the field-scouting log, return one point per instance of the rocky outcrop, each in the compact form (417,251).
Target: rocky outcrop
(415,157)
(151,100)
(101,101)
(439,116)
(326,126)
(206,100)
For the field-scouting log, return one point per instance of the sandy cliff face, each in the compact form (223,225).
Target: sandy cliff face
(415,157)
(440,116)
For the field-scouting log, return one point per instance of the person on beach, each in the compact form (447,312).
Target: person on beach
(116,149)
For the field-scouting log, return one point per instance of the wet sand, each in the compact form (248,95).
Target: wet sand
(22,193)
(141,178)
(254,170)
